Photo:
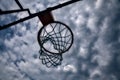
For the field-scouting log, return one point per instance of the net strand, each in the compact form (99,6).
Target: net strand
(50,60)
(60,43)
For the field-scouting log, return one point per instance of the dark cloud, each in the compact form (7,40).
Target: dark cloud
(93,56)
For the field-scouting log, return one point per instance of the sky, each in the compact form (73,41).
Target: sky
(94,55)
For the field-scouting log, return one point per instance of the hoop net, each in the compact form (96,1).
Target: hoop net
(55,39)
(50,60)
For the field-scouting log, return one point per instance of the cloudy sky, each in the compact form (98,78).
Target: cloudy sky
(95,54)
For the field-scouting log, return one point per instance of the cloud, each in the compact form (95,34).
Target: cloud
(6,5)
(93,56)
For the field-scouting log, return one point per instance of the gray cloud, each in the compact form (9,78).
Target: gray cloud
(93,56)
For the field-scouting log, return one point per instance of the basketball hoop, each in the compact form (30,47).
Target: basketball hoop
(54,38)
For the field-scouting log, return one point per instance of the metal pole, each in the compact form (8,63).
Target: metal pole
(17,1)
(39,13)
(62,5)
(12,11)
(19,4)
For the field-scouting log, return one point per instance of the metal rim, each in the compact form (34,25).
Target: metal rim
(39,41)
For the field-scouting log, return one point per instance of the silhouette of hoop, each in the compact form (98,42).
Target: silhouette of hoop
(49,36)
(61,38)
